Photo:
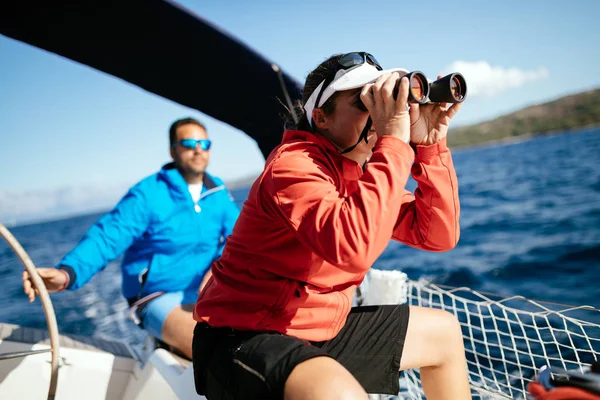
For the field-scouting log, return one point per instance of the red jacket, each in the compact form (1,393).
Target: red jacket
(313,225)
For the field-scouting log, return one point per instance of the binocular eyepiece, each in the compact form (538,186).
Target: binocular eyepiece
(452,88)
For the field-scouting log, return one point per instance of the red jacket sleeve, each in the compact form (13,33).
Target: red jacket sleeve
(429,220)
(350,229)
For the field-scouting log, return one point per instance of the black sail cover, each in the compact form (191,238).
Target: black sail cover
(165,49)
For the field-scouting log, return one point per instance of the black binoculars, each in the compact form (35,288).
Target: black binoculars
(452,88)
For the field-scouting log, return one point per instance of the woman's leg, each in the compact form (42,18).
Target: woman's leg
(322,378)
(434,344)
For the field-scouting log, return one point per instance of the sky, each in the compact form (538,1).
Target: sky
(73,139)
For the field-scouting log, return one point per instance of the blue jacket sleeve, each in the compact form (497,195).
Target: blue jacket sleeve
(108,238)
(231,214)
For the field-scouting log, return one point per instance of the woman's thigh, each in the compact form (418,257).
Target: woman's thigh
(241,365)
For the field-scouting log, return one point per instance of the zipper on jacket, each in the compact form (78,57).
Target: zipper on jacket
(197,207)
(211,191)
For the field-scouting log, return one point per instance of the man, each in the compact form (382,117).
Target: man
(171,226)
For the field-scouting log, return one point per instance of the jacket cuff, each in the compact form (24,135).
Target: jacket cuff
(70,272)
(397,144)
(425,152)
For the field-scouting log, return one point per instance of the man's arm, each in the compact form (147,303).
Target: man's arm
(107,239)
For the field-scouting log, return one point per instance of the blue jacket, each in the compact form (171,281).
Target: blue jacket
(161,230)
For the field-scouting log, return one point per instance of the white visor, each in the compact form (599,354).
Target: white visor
(346,79)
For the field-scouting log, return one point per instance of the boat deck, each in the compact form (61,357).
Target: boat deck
(21,334)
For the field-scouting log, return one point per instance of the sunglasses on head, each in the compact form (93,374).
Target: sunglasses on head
(353,59)
(349,61)
(193,143)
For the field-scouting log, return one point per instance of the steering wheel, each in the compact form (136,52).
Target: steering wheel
(48,310)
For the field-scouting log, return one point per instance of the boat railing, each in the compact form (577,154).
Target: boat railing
(507,339)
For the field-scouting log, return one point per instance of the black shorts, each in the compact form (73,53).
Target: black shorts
(246,365)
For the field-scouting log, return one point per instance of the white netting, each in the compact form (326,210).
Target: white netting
(506,339)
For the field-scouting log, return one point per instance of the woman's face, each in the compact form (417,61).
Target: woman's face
(344,126)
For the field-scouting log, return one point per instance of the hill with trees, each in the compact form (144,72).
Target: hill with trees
(564,114)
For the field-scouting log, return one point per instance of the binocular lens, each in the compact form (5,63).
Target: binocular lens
(417,87)
(456,88)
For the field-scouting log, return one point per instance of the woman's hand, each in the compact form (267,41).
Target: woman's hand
(389,116)
(54,280)
(429,122)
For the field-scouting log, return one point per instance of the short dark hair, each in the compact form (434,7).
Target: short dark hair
(324,70)
(180,122)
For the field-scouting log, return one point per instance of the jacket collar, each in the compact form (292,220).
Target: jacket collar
(352,169)
(291,136)
(175,180)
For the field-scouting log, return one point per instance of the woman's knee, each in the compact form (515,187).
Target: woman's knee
(450,329)
(322,378)
(433,337)
(439,325)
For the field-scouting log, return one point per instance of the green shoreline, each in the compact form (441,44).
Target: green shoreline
(523,138)
(568,113)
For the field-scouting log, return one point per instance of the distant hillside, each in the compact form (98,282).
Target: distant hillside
(241,182)
(567,113)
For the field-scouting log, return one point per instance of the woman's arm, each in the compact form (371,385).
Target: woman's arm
(429,219)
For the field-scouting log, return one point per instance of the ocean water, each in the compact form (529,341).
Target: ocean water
(530,225)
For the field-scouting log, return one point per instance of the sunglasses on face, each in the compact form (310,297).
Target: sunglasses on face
(193,143)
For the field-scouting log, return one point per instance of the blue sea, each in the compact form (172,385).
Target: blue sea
(530,225)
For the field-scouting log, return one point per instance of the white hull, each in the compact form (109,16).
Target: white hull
(90,372)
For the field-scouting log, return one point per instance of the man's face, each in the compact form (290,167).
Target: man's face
(187,160)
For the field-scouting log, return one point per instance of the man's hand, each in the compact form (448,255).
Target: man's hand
(429,122)
(53,279)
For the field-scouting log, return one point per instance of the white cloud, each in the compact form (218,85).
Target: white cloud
(17,207)
(484,79)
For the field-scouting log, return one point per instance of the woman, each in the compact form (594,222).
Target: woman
(275,320)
